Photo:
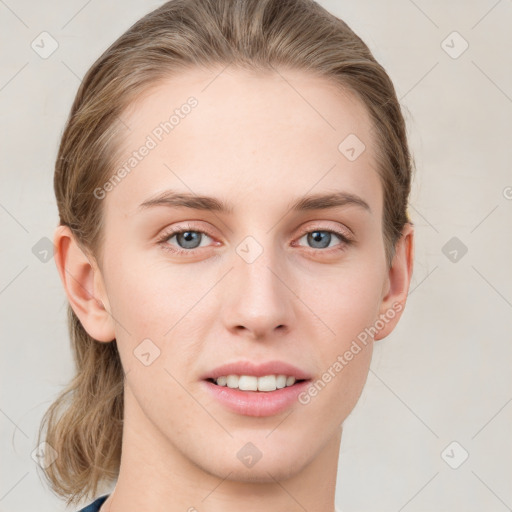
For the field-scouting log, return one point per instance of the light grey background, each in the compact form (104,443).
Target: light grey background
(443,375)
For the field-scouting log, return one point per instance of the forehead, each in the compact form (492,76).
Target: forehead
(248,135)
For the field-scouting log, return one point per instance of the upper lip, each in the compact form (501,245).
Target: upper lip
(258,370)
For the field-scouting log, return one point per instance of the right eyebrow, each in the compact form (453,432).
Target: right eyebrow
(172,198)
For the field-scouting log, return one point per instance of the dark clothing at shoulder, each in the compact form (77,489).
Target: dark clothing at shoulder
(95,505)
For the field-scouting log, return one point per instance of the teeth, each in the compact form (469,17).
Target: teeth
(251,383)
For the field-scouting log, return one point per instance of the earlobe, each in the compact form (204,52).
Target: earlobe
(398,281)
(83,285)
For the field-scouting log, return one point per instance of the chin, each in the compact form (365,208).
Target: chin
(267,465)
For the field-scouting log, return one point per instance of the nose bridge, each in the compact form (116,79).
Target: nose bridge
(259,300)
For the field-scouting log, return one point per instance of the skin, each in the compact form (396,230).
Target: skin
(256,143)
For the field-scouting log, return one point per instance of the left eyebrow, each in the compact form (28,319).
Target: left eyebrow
(173,198)
(326,201)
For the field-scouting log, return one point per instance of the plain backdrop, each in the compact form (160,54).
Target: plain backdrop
(431,431)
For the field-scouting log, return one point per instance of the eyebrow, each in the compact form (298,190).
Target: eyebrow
(323,201)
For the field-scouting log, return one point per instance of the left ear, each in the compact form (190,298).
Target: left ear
(396,287)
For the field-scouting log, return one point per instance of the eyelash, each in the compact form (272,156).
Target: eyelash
(345,241)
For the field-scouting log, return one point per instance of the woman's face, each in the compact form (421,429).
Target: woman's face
(245,284)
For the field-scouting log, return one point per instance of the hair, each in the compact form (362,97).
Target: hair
(85,422)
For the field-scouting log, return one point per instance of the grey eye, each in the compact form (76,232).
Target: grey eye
(320,239)
(190,239)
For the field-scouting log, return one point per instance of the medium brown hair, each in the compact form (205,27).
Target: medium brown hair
(85,423)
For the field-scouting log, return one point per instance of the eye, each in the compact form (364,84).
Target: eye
(187,239)
(321,239)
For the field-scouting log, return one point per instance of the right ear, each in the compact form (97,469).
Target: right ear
(84,286)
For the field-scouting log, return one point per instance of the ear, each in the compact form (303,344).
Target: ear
(84,286)
(396,286)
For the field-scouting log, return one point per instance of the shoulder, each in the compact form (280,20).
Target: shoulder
(95,505)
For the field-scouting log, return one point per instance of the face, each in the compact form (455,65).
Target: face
(192,288)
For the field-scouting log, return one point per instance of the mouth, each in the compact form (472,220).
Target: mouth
(264,398)
(250,384)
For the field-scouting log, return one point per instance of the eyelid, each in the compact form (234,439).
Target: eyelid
(345,232)
(187,225)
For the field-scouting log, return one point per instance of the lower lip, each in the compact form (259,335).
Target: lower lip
(256,403)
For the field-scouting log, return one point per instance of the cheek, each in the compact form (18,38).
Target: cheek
(345,305)
(344,300)
(150,295)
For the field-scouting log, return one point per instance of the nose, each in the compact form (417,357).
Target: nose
(257,301)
